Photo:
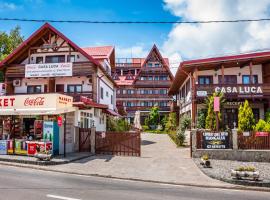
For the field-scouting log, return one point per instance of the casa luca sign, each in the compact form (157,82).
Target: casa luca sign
(219,140)
(48,70)
(239,90)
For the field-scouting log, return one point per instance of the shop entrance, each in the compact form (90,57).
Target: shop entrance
(230,118)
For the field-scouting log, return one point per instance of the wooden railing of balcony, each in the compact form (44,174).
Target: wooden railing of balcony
(146,108)
(156,84)
(156,96)
(236,90)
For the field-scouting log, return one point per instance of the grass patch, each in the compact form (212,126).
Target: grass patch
(175,139)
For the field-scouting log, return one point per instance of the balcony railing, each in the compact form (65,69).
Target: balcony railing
(146,108)
(77,96)
(156,96)
(234,90)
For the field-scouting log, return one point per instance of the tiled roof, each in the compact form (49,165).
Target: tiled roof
(122,81)
(99,52)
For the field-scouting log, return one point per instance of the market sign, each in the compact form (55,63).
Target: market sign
(35,104)
(239,90)
(219,140)
(261,134)
(48,70)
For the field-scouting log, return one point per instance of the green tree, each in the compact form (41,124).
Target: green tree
(246,121)
(201,118)
(8,42)
(171,122)
(154,116)
(210,121)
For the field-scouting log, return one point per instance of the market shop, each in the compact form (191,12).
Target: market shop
(42,122)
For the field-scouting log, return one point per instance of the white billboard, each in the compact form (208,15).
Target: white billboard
(48,70)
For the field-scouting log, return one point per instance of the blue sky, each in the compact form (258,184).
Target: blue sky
(121,35)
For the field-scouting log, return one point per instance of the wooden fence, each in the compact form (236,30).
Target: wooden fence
(118,143)
(253,141)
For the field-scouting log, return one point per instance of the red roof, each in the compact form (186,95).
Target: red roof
(37,34)
(111,112)
(122,81)
(86,102)
(99,52)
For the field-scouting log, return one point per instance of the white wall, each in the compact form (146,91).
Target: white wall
(99,126)
(108,87)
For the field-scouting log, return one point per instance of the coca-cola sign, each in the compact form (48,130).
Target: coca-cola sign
(37,101)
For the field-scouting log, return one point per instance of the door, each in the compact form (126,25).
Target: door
(230,118)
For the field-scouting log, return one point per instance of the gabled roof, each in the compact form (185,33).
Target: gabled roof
(99,52)
(210,63)
(23,48)
(122,81)
(164,62)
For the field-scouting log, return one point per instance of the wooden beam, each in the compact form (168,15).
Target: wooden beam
(250,72)
(222,74)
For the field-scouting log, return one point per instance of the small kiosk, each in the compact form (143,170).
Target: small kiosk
(31,122)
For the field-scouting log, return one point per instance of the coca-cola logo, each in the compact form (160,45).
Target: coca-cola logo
(38,101)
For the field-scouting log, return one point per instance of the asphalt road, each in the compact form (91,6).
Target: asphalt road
(22,183)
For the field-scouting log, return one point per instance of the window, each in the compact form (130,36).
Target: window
(143,78)
(205,80)
(156,64)
(150,78)
(246,79)
(163,78)
(228,79)
(71,58)
(256,113)
(74,88)
(60,88)
(111,99)
(124,91)
(156,78)
(163,91)
(101,92)
(55,59)
(107,94)
(149,64)
(118,91)
(31,89)
(96,112)
(39,60)
(130,91)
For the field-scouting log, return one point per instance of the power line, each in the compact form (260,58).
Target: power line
(133,22)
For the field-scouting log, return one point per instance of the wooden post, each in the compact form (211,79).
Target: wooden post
(65,131)
(194,105)
(222,74)
(250,72)
(217,121)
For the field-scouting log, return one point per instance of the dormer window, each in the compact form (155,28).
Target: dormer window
(39,60)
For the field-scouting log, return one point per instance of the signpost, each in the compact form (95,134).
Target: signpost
(216,110)
(219,140)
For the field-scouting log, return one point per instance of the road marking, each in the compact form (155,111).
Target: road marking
(60,197)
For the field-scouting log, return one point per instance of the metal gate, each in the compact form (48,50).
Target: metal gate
(84,139)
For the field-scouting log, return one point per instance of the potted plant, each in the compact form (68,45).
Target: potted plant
(205,162)
(262,128)
(244,172)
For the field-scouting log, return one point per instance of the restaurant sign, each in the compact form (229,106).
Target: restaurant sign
(48,70)
(219,140)
(239,89)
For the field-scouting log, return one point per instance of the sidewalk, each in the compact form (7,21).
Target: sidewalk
(70,157)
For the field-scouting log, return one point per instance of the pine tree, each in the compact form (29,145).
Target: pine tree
(246,121)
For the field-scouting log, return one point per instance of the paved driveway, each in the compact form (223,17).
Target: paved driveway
(160,161)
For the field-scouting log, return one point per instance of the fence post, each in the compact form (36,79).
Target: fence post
(93,140)
(234,139)
(193,141)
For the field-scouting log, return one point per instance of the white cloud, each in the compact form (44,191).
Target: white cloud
(138,50)
(200,40)
(7,6)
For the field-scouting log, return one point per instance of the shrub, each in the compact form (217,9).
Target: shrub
(262,126)
(246,121)
(154,116)
(185,122)
(267,116)
(164,121)
(180,134)
(145,128)
(171,122)
(201,118)
(114,124)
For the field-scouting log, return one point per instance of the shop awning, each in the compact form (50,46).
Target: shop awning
(36,104)
(111,112)
(89,103)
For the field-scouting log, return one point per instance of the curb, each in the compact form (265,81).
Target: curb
(43,163)
(234,187)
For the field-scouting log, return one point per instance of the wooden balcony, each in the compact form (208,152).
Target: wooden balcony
(234,90)
(79,69)
(152,84)
(154,96)
(77,96)
(146,108)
